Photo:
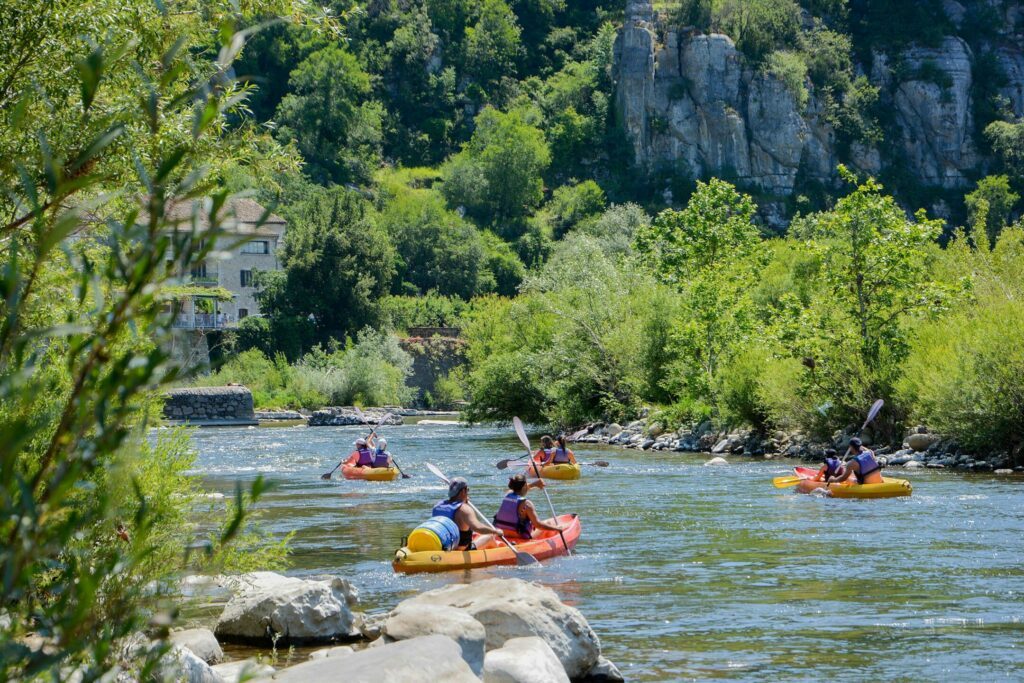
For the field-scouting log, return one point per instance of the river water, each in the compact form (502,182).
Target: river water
(685,571)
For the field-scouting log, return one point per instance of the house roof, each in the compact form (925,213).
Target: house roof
(240,215)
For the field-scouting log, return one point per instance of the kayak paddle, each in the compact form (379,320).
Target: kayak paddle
(521,433)
(786,482)
(596,463)
(503,464)
(523,558)
(372,431)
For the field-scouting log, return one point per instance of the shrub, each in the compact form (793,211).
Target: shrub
(791,69)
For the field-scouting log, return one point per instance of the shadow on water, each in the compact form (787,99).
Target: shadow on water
(685,571)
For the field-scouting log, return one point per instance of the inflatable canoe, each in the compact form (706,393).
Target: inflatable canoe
(547,544)
(369,473)
(889,488)
(563,471)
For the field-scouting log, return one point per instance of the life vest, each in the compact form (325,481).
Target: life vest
(832,467)
(365,458)
(561,456)
(868,464)
(380,458)
(508,516)
(447,508)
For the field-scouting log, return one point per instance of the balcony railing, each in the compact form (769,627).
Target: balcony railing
(202,321)
(204,280)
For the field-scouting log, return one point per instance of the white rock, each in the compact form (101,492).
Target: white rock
(413,621)
(524,660)
(913,465)
(605,671)
(430,659)
(720,446)
(201,642)
(335,652)
(1003,472)
(513,608)
(717,461)
(247,669)
(297,609)
(181,665)
(921,442)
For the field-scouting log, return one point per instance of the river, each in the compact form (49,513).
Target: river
(685,571)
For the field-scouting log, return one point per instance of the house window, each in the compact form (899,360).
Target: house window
(199,269)
(243,313)
(247,278)
(256,247)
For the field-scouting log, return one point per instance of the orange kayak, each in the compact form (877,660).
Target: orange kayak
(369,473)
(546,544)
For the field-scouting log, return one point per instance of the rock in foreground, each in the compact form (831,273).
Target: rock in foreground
(201,642)
(524,660)
(296,610)
(413,621)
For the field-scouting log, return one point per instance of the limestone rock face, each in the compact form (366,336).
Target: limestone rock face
(428,659)
(513,608)
(524,660)
(297,610)
(412,621)
(201,642)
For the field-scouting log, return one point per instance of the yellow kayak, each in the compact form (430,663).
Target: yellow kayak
(889,488)
(369,473)
(563,471)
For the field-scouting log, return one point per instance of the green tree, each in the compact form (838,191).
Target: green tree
(493,44)
(1007,140)
(497,177)
(989,207)
(572,205)
(328,116)
(339,263)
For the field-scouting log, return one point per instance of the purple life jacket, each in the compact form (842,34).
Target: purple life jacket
(832,467)
(561,456)
(365,458)
(868,464)
(508,516)
(380,458)
(447,508)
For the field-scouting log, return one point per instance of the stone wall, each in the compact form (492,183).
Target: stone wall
(210,406)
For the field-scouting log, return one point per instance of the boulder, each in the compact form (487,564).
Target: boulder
(604,672)
(420,660)
(921,442)
(524,660)
(717,461)
(179,664)
(295,610)
(246,669)
(513,608)
(720,446)
(201,642)
(1003,471)
(612,429)
(335,652)
(412,621)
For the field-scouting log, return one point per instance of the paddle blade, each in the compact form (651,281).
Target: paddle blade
(406,476)
(785,482)
(873,413)
(436,472)
(520,432)
(598,463)
(502,464)
(525,559)
(327,476)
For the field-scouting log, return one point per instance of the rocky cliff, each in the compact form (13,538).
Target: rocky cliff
(691,103)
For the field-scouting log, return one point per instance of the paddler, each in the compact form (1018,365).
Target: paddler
(547,448)
(381,455)
(517,514)
(362,456)
(831,466)
(861,464)
(455,509)
(560,454)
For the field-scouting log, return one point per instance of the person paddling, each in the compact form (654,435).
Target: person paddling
(455,509)
(362,456)
(381,456)
(831,466)
(862,465)
(517,514)
(547,448)
(560,454)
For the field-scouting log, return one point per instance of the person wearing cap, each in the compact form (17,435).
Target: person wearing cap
(831,466)
(560,454)
(362,456)
(381,456)
(517,514)
(862,465)
(456,509)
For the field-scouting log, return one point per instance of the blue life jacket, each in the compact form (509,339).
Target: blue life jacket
(447,508)
(508,516)
(365,458)
(561,456)
(832,467)
(868,464)
(380,458)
